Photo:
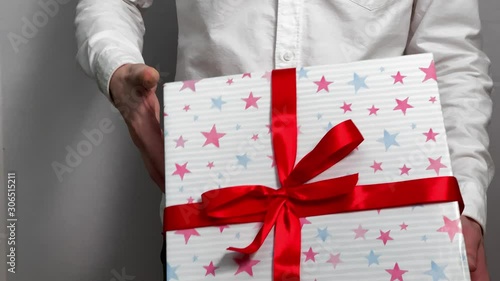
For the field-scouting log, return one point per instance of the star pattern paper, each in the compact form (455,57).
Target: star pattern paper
(218,134)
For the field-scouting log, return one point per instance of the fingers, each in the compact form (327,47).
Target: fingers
(481,272)
(144,76)
(473,238)
(135,86)
(148,137)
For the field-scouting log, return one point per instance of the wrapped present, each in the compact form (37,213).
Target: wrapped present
(335,172)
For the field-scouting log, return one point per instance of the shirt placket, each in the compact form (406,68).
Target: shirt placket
(288,33)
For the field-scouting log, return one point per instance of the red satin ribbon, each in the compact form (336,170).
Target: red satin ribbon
(281,208)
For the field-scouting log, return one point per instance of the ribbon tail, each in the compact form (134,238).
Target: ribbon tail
(287,246)
(269,221)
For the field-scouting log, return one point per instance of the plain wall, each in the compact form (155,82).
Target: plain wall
(102,219)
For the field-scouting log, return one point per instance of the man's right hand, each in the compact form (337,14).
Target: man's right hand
(132,89)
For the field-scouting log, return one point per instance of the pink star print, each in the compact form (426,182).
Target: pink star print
(403,226)
(190,200)
(323,84)
(435,165)
(213,137)
(210,268)
(181,170)
(303,221)
(165,114)
(267,75)
(246,74)
(187,234)
(398,78)
(334,260)
(360,232)
(180,142)
(186,108)
(310,255)
(385,236)
(403,105)
(229,81)
(222,227)
(245,265)
(396,273)
(255,137)
(189,84)
(268,129)
(430,135)
(373,110)
(251,101)
(377,166)
(433,99)
(451,226)
(346,107)
(210,165)
(404,170)
(272,158)
(430,72)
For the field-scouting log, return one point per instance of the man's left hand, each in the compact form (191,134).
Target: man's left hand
(474,245)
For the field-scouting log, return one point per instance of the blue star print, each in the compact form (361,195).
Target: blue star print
(329,126)
(323,234)
(243,160)
(217,103)
(195,258)
(303,73)
(358,82)
(372,258)
(388,140)
(424,238)
(171,272)
(437,272)
(319,116)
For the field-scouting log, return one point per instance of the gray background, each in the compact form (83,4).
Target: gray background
(102,219)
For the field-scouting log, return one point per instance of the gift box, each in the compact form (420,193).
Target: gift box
(334,172)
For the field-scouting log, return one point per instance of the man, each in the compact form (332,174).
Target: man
(233,36)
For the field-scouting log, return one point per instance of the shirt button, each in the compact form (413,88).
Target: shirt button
(287,56)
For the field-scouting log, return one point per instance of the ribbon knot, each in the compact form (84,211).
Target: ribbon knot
(277,205)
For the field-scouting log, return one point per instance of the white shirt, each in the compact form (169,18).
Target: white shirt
(222,37)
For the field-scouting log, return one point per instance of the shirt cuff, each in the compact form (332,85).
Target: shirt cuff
(475,203)
(108,62)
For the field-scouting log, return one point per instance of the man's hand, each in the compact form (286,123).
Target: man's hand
(132,89)
(474,245)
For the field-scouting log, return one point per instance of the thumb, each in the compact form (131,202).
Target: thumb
(144,75)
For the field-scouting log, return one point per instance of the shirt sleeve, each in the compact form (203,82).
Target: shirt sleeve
(451,30)
(109,34)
